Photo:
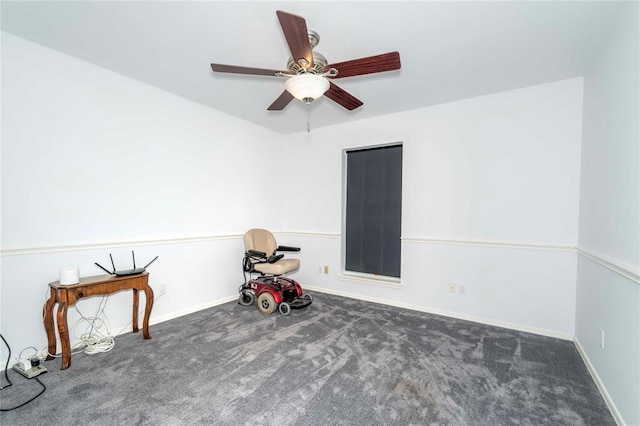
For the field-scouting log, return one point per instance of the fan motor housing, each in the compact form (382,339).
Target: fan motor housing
(301,66)
(319,62)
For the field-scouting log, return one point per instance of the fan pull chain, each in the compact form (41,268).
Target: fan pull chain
(308,119)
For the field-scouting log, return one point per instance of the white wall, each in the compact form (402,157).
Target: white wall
(490,200)
(491,190)
(93,163)
(608,288)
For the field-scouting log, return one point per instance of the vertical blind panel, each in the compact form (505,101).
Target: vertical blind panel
(374,211)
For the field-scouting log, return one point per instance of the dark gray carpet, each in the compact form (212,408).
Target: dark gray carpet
(339,362)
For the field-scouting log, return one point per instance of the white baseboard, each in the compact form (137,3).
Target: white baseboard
(153,320)
(446,313)
(191,310)
(544,332)
(603,390)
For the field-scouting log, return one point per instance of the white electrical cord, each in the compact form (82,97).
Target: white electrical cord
(28,347)
(94,341)
(97,344)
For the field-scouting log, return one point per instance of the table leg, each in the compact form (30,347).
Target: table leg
(135,311)
(47,314)
(148,293)
(64,335)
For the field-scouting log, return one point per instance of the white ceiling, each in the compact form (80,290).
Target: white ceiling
(449,50)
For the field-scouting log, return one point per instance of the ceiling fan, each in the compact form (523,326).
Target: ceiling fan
(308,74)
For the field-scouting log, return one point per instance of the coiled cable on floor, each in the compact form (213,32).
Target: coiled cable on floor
(98,344)
(95,341)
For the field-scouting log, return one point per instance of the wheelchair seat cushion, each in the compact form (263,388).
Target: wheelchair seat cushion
(282,266)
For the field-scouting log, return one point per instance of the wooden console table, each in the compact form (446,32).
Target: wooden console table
(68,295)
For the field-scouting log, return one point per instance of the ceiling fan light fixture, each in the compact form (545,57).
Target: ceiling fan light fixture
(307,87)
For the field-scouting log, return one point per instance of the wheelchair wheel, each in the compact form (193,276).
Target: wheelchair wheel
(246,298)
(284,308)
(266,303)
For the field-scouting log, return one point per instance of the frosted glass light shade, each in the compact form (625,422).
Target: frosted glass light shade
(307,87)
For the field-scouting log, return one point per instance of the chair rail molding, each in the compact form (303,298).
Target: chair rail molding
(55,248)
(309,234)
(491,243)
(628,271)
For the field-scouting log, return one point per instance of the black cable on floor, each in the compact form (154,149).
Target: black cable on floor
(6,367)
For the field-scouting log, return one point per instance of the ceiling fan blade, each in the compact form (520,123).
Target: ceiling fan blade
(369,65)
(233,69)
(282,101)
(342,97)
(295,31)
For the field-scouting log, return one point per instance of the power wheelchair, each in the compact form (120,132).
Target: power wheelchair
(270,288)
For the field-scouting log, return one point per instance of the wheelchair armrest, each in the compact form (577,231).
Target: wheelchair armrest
(274,258)
(256,253)
(287,248)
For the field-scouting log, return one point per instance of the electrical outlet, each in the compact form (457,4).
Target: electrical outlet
(326,269)
(460,289)
(452,287)
(601,339)
(162,290)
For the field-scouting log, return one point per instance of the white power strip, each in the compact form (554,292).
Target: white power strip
(24,367)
